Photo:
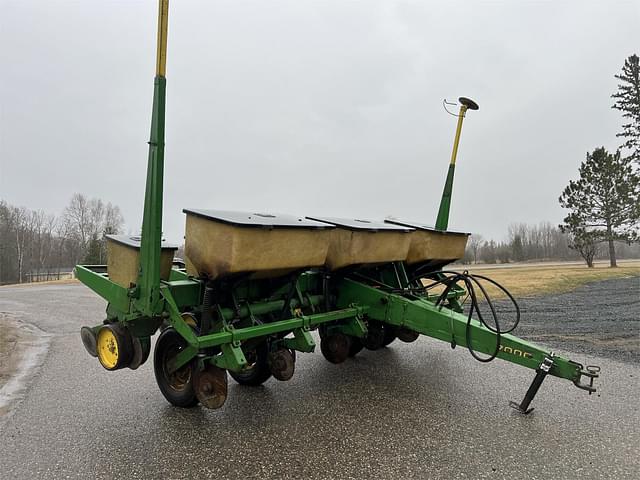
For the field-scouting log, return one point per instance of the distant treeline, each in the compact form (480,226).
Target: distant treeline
(33,243)
(542,242)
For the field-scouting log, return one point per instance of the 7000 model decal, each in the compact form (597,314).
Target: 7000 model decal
(515,351)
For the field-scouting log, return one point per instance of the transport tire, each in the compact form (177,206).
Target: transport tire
(257,371)
(114,346)
(141,350)
(176,387)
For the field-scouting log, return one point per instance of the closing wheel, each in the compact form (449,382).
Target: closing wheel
(257,370)
(282,364)
(114,346)
(177,387)
(210,385)
(335,347)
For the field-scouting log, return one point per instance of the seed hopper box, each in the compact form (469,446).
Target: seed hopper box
(429,245)
(360,242)
(123,259)
(220,243)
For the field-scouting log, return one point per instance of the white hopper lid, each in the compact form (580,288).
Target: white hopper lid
(421,226)
(257,220)
(363,225)
(134,241)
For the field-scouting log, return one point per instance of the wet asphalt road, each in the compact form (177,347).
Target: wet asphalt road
(409,411)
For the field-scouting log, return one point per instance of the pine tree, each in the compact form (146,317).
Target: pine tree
(604,201)
(627,100)
(518,249)
(581,240)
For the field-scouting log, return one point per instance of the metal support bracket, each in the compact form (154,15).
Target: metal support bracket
(302,341)
(542,371)
(232,357)
(354,327)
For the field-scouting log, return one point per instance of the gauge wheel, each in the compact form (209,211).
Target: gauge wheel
(389,334)
(177,387)
(375,337)
(335,347)
(257,370)
(356,346)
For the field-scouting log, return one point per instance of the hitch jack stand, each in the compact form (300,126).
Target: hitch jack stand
(541,372)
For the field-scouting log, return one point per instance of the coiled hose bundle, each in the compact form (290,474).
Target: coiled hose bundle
(450,279)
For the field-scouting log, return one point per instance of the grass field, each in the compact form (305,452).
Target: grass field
(540,279)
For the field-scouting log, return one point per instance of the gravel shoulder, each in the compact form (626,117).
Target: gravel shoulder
(599,319)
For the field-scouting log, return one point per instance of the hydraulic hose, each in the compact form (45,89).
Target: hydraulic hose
(450,279)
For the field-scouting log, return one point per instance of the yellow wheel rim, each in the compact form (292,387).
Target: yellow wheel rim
(107,350)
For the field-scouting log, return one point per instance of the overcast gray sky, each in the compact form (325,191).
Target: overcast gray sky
(313,108)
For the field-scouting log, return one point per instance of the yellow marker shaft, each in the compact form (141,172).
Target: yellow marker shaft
(163,17)
(456,141)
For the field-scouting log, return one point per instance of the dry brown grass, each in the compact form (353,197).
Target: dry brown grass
(541,279)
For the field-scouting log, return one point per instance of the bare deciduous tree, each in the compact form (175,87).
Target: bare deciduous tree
(475,242)
(88,220)
(33,242)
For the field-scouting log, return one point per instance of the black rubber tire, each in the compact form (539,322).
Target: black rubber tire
(407,336)
(124,344)
(356,346)
(389,335)
(374,339)
(335,347)
(168,344)
(141,350)
(259,372)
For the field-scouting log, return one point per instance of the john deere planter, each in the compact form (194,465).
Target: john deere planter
(254,286)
